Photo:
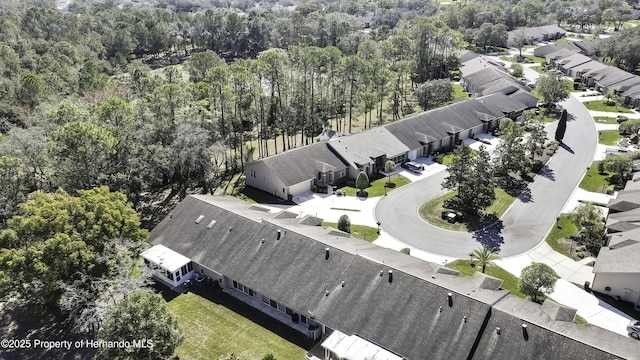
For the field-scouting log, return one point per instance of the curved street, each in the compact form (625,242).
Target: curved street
(524,225)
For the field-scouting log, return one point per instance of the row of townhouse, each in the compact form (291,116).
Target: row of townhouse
(482,76)
(576,62)
(358,300)
(334,162)
(617,267)
(533,35)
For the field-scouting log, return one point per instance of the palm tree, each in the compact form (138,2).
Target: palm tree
(485,256)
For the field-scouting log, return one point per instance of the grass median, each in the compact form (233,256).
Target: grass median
(431,212)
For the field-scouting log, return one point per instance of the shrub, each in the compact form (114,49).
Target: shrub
(439,158)
(344,224)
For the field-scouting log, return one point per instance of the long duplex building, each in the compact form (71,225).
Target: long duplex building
(350,294)
(333,162)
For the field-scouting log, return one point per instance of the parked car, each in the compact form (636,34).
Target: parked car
(413,167)
(634,329)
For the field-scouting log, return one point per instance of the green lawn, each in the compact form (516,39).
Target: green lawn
(605,120)
(563,229)
(609,137)
(431,212)
(510,282)
(459,93)
(377,187)
(599,105)
(363,232)
(593,181)
(217,326)
(538,68)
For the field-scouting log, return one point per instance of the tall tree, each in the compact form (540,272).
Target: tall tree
(434,93)
(510,154)
(142,315)
(591,226)
(537,280)
(552,89)
(472,179)
(562,126)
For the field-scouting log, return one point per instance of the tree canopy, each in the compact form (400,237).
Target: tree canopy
(142,315)
(57,236)
(537,279)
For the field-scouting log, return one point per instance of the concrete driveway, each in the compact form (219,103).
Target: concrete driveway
(523,226)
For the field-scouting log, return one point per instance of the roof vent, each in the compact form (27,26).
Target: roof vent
(381,272)
(199,219)
(170,215)
(213,222)
(279,234)
(230,228)
(525,333)
(498,330)
(262,241)
(450,299)
(342,284)
(326,293)
(464,318)
(326,253)
(440,308)
(390,275)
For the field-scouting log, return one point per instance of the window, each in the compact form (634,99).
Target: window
(169,275)
(273,304)
(303,319)
(328,330)
(319,176)
(235,284)
(288,311)
(265,299)
(178,275)
(189,266)
(184,270)
(250,292)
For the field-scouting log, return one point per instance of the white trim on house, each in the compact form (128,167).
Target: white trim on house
(170,267)
(342,346)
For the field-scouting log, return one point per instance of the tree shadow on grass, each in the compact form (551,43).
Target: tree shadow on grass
(490,236)
(513,186)
(216,295)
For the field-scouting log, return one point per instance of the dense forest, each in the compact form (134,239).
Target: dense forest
(169,94)
(105,103)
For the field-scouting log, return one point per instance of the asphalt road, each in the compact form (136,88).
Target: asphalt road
(523,226)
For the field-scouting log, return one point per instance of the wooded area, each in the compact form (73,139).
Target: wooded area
(159,98)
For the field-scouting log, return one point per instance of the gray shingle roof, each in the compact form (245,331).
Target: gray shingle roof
(622,254)
(545,338)
(361,148)
(411,315)
(300,164)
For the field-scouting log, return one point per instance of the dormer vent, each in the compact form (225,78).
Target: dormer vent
(326,253)
(213,222)
(390,276)
(279,235)
(199,219)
